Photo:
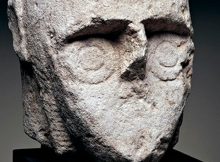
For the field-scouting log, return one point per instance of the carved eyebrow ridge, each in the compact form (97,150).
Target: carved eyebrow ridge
(166,25)
(98,28)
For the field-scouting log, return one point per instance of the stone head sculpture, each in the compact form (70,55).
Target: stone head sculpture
(110,77)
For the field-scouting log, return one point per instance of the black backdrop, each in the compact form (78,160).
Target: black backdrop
(200,131)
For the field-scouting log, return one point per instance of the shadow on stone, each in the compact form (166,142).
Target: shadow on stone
(47,155)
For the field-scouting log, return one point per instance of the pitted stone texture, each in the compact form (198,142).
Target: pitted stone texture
(107,76)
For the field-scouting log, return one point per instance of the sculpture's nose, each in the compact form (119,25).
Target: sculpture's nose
(134,57)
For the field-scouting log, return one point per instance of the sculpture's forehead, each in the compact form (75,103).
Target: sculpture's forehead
(76,13)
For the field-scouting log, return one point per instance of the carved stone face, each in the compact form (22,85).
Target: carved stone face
(109,77)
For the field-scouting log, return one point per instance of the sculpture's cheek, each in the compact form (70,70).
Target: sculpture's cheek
(90,61)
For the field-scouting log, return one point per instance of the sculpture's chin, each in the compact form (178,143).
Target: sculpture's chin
(129,131)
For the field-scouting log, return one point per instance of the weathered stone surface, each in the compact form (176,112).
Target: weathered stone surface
(110,77)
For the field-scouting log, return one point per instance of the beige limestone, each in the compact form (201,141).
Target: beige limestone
(108,76)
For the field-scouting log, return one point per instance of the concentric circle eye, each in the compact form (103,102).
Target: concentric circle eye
(167,54)
(92,60)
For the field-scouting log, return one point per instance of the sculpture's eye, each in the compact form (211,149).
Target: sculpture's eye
(90,52)
(91,60)
(91,57)
(167,52)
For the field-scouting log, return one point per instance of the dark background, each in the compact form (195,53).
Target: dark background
(200,131)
